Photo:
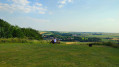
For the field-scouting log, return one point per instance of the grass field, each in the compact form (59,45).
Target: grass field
(105,35)
(58,55)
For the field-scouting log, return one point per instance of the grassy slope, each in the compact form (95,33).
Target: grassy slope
(37,55)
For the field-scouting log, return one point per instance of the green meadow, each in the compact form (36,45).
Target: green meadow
(57,55)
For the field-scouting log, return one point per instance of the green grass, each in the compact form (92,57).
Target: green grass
(59,55)
(107,35)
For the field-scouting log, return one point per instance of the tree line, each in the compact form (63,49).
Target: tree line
(9,31)
(71,37)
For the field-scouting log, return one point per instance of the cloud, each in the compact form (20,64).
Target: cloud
(41,12)
(60,6)
(22,6)
(20,2)
(70,0)
(63,2)
(38,4)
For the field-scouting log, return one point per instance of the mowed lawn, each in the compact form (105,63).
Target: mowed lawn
(49,55)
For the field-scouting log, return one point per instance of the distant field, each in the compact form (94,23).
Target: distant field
(105,35)
(42,32)
(115,39)
(77,43)
(57,55)
(45,33)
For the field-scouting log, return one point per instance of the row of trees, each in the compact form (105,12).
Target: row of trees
(9,31)
(81,39)
(73,38)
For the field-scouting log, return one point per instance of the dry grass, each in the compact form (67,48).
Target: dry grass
(71,42)
(115,39)
(42,32)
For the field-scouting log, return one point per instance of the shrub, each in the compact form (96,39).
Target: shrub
(13,40)
(111,44)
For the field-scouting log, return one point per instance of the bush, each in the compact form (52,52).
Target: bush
(111,44)
(19,40)
(9,31)
(13,40)
(97,43)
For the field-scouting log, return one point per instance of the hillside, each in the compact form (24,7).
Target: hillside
(50,55)
(9,31)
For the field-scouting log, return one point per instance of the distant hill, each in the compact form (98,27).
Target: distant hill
(9,31)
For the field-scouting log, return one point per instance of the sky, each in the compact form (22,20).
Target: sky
(63,15)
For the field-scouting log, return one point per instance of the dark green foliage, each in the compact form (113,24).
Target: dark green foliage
(94,39)
(14,40)
(111,44)
(9,31)
(71,37)
(31,33)
(17,32)
(5,29)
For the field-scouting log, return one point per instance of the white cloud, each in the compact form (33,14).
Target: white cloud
(22,6)
(63,2)
(70,0)
(41,12)
(60,6)
(38,4)
(20,2)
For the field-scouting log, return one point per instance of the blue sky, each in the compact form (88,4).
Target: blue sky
(63,15)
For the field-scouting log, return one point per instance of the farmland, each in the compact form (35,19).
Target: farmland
(27,47)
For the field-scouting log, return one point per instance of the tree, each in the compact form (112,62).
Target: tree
(10,31)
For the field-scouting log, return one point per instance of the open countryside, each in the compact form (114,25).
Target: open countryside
(59,33)
(73,50)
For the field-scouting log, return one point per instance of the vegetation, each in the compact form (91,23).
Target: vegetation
(111,44)
(107,39)
(13,40)
(70,37)
(24,47)
(19,40)
(49,55)
(10,31)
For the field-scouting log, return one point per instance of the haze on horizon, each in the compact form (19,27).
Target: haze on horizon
(63,15)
